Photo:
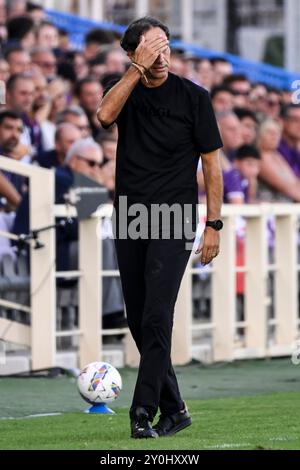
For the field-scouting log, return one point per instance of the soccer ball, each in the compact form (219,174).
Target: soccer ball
(99,382)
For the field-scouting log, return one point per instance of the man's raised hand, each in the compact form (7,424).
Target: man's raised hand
(148,50)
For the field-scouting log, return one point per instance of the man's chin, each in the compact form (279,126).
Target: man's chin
(159,73)
(9,148)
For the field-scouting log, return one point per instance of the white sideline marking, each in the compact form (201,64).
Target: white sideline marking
(224,446)
(40,415)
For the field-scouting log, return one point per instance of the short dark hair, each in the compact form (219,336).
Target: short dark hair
(236,77)
(82,82)
(44,23)
(63,32)
(247,151)
(243,113)
(19,27)
(14,78)
(9,114)
(220,89)
(214,60)
(12,49)
(110,77)
(273,89)
(131,37)
(99,36)
(31,6)
(286,109)
(99,59)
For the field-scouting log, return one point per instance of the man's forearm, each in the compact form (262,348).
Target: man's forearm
(213,181)
(113,102)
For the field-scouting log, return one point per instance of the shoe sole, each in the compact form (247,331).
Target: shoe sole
(177,428)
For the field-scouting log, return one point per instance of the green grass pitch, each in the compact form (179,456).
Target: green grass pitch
(244,405)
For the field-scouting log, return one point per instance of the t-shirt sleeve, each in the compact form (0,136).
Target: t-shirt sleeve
(206,131)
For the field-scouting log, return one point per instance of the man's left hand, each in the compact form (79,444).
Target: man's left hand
(209,246)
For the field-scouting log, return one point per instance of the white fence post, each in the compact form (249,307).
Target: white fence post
(90,291)
(42,271)
(286,280)
(256,286)
(224,295)
(182,333)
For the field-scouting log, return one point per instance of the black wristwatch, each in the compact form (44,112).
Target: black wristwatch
(215,224)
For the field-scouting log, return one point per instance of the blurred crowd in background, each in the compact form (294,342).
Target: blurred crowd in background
(53,92)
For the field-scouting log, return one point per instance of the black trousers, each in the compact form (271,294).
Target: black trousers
(151,272)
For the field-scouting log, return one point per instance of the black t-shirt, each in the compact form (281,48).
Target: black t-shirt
(162,132)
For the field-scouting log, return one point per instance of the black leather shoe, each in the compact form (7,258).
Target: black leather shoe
(141,427)
(169,425)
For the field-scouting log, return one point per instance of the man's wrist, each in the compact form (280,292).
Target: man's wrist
(141,69)
(215,224)
(139,65)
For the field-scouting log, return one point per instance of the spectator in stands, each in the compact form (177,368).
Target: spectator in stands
(75,115)
(222,99)
(96,41)
(277,180)
(83,157)
(108,142)
(15,8)
(258,100)
(248,163)
(205,73)
(80,65)
(3,35)
(18,59)
(97,66)
(41,97)
(11,128)
(116,61)
(3,13)
(290,143)
(249,125)
(20,30)
(89,93)
(177,65)
(231,131)
(4,70)
(64,44)
(47,35)
(188,60)
(222,69)
(20,97)
(240,183)
(57,93)
(59,96)
(241,87)
(287,97)
(65,136)
(274,103)
(45,59)
(35,12)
